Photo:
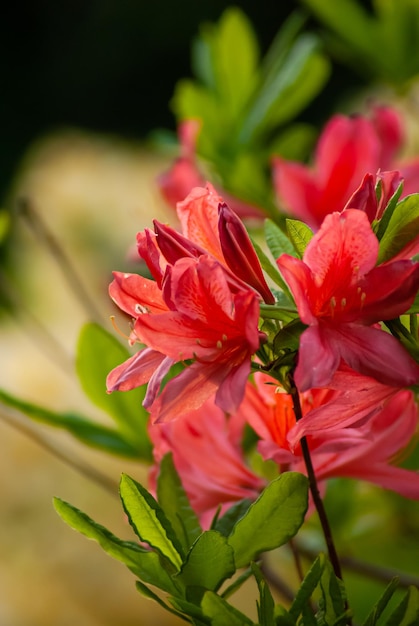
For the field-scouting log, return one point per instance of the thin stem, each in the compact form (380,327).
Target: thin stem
(369,570)
(276,582)
(413,319)
(314,489)
(35,330)
(40,229)
(297,560)
(70,459)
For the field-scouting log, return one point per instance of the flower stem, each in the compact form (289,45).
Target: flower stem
(314,489)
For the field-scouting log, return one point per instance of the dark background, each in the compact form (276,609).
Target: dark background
(102,65)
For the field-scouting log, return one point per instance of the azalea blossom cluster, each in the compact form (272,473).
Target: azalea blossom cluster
(222,355)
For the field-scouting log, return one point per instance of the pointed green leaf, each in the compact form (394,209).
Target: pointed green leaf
(381,226)
(382,603)
(235,57)
(289,85)
(266,604)
(307,587)
(236,584)
(191,609)
(148,593)
(277,240)
(332,602)
(277,514)
(225,524)
(300,235)
(221,612)
(85,430)
(402,228)
(289,336)
(407,612)
(175,503)
(273,273)
(282,617)
(149,521)
(209,562)
(98,352)
(145,564)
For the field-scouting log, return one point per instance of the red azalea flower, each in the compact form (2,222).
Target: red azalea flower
(203,321)
(340,294)
(209,226)
(364,449)
(207,453)
(348,148)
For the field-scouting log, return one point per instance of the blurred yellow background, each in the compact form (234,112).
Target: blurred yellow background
(94,193)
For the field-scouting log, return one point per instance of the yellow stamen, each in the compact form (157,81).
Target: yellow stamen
(118,330)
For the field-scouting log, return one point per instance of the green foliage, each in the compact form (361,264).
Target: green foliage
(145,564)
(359,38)
(332,602)
(266,604)
(300,235)
(377,610)
(246,105)
(278,242)
(192,574)
(98,352)
(85,430)
(221,613)
(381,226)
(173,499)
(307,588)
(213,549)
(149,521)
(277,514)
(407,612)
(401,228)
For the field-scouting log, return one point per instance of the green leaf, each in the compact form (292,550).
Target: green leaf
(234,56)
(273,273)
(288,338)
(277,514)
(277,240)
(332,602)
(300,235)
(289,85)
(382,603)
(98,352)
(221,612)
(149,522)
(89,432)
(266,604)
(209,562)
(282,617)
(407,612)
(403,228)
(415,306)
(145,564)
(148,593)
(225,524)
(175,503)
(236,584)
(295,142)
(307,587)
(381,226)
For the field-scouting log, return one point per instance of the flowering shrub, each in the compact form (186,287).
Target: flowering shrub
(262,371)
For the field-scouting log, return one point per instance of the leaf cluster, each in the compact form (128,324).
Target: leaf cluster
(382,44)
(246,104)
(174,555)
